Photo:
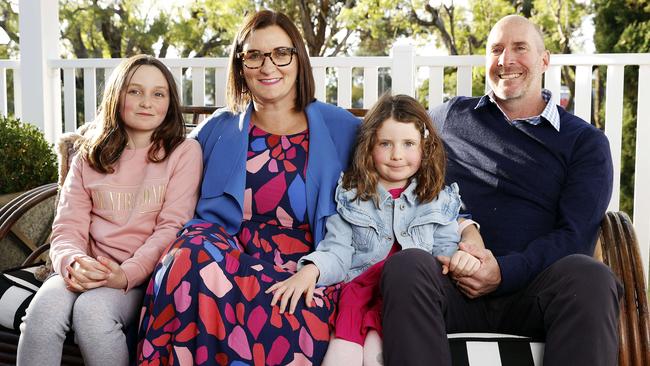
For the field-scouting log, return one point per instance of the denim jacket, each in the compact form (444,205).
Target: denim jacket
(362,234)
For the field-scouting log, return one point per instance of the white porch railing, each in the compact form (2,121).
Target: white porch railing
(404,66)
(14,67)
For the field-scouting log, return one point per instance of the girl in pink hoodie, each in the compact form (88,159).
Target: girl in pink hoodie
(130,188)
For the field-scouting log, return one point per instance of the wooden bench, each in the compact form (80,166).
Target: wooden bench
(617,247)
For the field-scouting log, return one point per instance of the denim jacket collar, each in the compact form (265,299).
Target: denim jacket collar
(348,195)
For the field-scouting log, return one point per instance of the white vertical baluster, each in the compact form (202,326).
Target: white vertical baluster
(642,167)
(344,90)
(321,83)
(198,86)
(464,81)
(583,92)
(178,77)
(69,100)
(553,82)
(220,80)
(614,126)
(370,86)
(90,94)
(403,70)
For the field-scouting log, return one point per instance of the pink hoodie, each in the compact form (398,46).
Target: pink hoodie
(131,215)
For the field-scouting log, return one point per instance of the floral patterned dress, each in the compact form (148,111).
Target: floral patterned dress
(206,303)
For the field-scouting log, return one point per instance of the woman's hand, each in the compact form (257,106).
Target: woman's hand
(292,288)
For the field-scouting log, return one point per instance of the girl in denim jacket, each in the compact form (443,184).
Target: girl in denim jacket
(392,197)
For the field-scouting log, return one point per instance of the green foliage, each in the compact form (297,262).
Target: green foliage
(423,93)
(623,26)
(206,27)
(491,11)
(324,32)
(114,29)
(559,21)
(628,153)
(9,23)
(378,23)
(117,29)
(27,158)
(634,38)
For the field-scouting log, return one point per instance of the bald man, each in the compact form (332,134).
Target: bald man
(538,179)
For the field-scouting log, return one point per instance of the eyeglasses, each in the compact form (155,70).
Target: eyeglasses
(280,56)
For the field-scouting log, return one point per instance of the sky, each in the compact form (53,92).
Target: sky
(4,39)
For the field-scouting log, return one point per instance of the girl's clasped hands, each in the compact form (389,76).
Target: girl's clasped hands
(87,273)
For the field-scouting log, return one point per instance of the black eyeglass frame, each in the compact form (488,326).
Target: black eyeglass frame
(292,51)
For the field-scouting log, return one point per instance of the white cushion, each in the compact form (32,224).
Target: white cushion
(17,288)
(494,349)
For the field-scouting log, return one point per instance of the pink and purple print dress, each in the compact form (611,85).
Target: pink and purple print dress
(206,305)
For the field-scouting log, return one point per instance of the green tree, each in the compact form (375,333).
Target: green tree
(623,26)
(377,24)
(560,21)
(116,29)
(324,33)
(446,20)
(96,29)
(206,27)
(9,23)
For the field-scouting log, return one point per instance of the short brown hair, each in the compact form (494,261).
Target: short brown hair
(362,174)
(108,137)
(237,93)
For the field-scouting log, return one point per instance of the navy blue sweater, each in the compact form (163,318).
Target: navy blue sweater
(539,194)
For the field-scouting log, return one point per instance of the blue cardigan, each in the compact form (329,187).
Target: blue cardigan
(224,140)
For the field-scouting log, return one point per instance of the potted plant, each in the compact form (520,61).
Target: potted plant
(26,158)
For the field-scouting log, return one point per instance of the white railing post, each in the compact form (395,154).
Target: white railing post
(641,218)
(553,82)
(584,86)
(403,70)
(614,126)
(40,84)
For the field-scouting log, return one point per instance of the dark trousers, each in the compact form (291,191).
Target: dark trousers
(573,306)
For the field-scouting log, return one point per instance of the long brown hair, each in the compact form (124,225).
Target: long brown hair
(108,137)
(237,93)
(362,174)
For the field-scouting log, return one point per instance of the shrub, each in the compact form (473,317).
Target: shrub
(26,158)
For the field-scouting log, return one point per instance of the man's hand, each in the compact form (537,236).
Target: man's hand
(292,288)
(486,279)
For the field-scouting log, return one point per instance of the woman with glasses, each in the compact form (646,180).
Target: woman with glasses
(272,159)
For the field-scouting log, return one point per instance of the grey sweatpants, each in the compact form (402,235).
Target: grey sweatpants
(96,316)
